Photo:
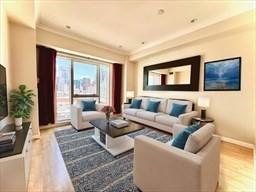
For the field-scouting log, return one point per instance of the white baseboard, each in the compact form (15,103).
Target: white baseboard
(237,142)
(55,125)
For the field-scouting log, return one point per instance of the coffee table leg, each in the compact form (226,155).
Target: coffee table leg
(115,146)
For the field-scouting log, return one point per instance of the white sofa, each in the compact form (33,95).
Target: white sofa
(161,167)
(160,120)
(80,119)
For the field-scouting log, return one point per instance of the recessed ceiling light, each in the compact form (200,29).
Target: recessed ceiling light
(160,11)
(143,42)
(193,20)
(68,26)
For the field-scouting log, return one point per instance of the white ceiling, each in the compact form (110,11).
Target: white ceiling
(128,23)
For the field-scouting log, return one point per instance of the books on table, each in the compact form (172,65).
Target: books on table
(118,123)
(7,141)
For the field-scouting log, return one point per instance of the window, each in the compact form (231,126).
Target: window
(63,88)
(79,78)
(85,79)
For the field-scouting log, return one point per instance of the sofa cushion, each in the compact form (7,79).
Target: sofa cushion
(91,115)
(136,103)
(181,102)
(147,115)
(144,102)
(162,104)
(130,111)
(177,109)
(199,139)
(153,106)
(89,105)
(166,119)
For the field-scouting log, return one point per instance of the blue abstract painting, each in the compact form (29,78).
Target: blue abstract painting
(222,75)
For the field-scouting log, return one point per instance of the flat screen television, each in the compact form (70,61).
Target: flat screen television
(3,93)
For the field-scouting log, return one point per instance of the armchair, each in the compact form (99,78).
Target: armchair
(161,167)
(81,119)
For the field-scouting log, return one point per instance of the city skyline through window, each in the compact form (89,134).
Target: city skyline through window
(85,79)
(88,79)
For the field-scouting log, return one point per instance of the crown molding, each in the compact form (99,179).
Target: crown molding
(225,27)
(82,40)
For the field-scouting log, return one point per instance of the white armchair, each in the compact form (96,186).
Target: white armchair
(80,119)
(161,167)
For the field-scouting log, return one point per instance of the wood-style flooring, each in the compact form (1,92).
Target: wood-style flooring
(48,172)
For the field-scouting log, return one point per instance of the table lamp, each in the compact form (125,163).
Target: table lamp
(203,102)
(129,96)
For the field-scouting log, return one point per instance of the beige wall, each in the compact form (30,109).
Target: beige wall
(4,53)
(55,40)
(234,112)
(128,78)
(23,62)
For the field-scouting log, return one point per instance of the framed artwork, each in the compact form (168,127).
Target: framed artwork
(223,75)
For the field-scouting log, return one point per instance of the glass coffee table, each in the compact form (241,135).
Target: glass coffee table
(114,140)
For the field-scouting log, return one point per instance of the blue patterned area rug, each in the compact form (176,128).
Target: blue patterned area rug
(92,168)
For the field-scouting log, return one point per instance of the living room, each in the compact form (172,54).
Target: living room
(139,62)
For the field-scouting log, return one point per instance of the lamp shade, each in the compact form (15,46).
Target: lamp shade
(203,102)
(130,94)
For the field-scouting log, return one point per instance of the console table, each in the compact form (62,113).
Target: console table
(15,164)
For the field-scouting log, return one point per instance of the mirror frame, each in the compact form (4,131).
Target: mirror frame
(194,75)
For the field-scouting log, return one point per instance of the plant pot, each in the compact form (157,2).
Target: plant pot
(18,122)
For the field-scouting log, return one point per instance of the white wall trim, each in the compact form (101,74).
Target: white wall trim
(237,142)
(254,165)
(55,125)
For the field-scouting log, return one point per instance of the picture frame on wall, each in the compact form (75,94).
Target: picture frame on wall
(223,75)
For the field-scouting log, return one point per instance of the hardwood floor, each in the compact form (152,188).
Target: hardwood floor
(48,172)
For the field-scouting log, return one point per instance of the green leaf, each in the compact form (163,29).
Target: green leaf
(21,102)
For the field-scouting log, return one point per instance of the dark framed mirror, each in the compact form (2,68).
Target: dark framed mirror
(178,75)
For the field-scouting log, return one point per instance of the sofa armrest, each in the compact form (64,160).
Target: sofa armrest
(160,167)
(126,105)
(99,106)
(177,128)
(185,118)
(76,115)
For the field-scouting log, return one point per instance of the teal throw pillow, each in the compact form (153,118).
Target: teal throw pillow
(153,106)
(89,105)
(181,138)
(193,128)
(177,109)
(136,103)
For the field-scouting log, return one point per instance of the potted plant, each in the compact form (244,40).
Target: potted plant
(21,104)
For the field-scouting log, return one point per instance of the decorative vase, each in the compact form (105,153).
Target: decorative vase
(18,122)
(107,116)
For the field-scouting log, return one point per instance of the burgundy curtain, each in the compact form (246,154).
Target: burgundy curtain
(117,87)
(163,79)
(46,71)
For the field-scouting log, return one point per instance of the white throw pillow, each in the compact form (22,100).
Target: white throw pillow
(200,138)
